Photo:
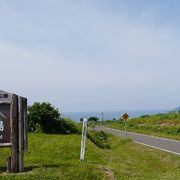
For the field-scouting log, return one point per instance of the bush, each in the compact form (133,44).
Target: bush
(45,118)
(68,126)
(99,138)
(93,119)
(144,116)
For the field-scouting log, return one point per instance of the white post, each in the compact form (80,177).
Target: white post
(83,140)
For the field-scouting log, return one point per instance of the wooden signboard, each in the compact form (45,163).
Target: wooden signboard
(5,130)
(13,129)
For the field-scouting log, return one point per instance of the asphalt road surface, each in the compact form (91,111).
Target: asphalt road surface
(168,145)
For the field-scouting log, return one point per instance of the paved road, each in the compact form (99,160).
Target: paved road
(168,145)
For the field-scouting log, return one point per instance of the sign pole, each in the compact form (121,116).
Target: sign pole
(83,140)
(125,117)
(126,128)
(102,114)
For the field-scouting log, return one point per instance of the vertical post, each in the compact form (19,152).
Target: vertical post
(25,145)
(102,114)
(20,135)
(8,161)
(83,140)
(126,128)
(14,133)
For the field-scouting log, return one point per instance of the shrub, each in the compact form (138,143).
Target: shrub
(46,118)
(144,116)
(99,138)
(43,117)
(93,119)
(68,126)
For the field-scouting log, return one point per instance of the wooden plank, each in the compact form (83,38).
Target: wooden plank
(14,133)
(25,123)
(20,135)
(4,102)
(5,145)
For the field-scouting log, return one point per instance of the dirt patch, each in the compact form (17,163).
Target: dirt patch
(169,124)
(109,173)
(27,170)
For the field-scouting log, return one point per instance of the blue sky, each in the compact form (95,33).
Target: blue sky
(94,55)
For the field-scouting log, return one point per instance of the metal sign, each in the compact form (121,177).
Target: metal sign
(5,123)
(83,140)
(125,116)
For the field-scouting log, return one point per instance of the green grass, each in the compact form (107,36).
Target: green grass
(99,138)
(163,125)
(57,157)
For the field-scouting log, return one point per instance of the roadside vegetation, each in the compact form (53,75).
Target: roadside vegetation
(57,157)
(54,152)
(99,138)
(163,125)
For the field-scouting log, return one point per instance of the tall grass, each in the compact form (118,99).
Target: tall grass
(166,125)
(57,157)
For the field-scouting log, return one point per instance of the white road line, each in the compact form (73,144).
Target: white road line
(157,148)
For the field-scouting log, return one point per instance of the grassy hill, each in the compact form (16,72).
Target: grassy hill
(57,157)
(164,125)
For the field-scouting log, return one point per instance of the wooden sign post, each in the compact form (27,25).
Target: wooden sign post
(125,117)
(13,129)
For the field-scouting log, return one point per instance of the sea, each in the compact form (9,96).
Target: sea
(109,115)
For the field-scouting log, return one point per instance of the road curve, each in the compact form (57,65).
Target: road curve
(168,145)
